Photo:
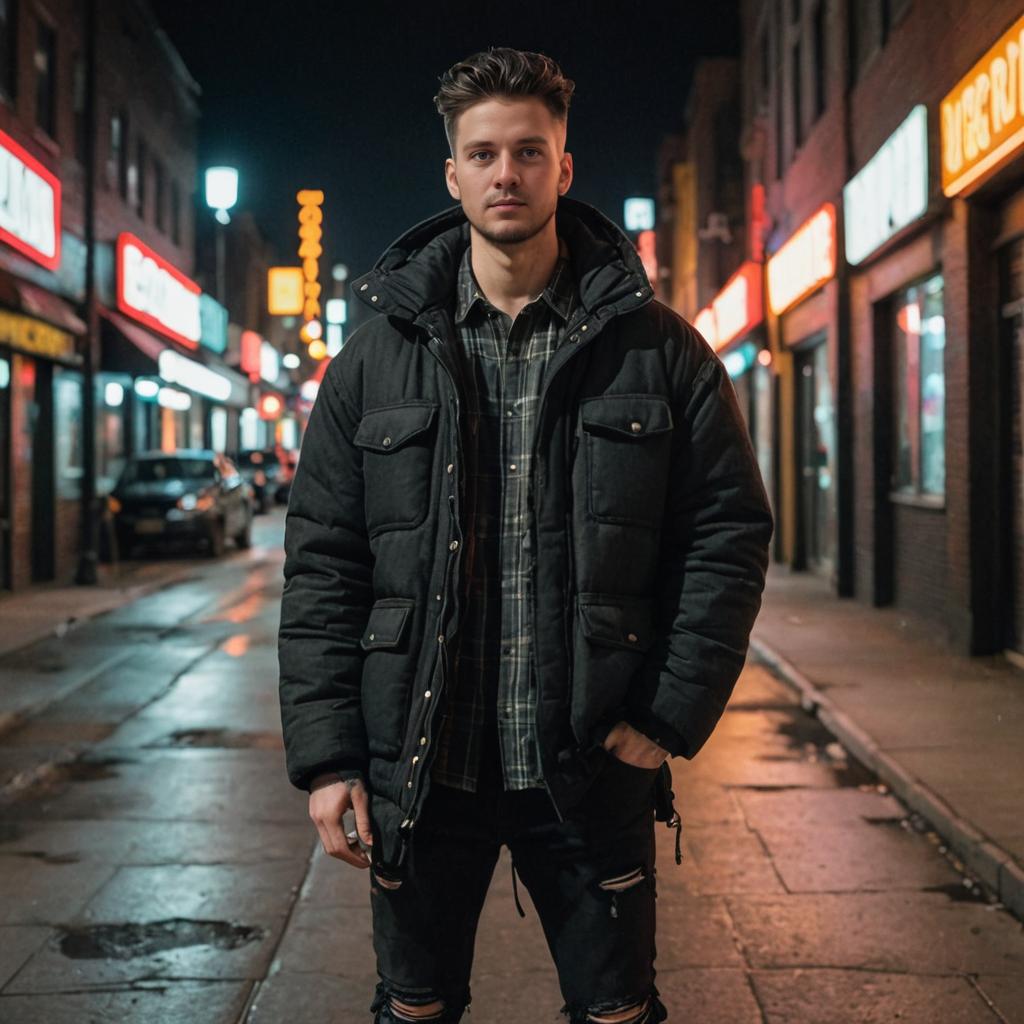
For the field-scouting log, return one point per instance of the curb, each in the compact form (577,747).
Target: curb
(989,861)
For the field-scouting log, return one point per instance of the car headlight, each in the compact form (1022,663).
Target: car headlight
(195,502)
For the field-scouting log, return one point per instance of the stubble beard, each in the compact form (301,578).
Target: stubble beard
(517,237)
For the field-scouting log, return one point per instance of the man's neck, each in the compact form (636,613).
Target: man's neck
(511,276)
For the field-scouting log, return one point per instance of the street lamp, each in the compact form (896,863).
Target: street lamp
(221,196)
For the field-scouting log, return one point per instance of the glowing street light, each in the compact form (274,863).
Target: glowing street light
(221,190)
(221,196)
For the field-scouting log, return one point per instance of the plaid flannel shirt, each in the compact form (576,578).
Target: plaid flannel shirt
(504,364)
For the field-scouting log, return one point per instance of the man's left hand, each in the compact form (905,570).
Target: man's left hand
(633,747)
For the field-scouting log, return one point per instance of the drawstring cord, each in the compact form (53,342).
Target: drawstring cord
(515,891)
(677,823)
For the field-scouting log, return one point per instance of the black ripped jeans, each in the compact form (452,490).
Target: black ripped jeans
(591,879)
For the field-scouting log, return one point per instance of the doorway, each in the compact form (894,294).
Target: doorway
(816,459)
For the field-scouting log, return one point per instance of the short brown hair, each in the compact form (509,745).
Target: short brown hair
(501,72)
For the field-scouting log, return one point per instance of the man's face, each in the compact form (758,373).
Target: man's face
(509,167)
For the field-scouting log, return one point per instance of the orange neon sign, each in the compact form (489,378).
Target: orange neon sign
(983,117)
(805,262)
(734,310)
(286,291)
(311,218)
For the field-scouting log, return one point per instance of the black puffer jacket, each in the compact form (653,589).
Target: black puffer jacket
(652,530)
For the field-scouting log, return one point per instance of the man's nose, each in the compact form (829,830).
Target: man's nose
(506,174)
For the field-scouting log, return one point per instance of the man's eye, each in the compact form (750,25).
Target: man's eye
(473,156)
(531,152)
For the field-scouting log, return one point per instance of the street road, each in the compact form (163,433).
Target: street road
(155,864)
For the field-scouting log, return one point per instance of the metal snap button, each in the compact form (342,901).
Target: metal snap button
(386,442)
(372,636)
(632,637)
(454,546)
(426,695)
(636,426)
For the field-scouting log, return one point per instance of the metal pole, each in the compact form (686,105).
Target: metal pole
(88,555)
(220,263)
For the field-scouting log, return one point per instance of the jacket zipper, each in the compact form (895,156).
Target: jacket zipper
(424,720)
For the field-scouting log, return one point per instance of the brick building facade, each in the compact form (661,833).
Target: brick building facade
(893,303)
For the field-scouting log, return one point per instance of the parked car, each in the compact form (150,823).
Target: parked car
(262,471)
(197,496)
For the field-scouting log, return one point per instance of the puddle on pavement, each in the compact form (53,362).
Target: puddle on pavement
(808,741)
(125,941)
(31,659)
(88,770)
(224,738)
(48,858)
(967,891)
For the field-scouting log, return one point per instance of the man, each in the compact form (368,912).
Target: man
(526,544)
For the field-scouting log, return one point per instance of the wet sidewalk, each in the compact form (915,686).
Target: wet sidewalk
(942,730)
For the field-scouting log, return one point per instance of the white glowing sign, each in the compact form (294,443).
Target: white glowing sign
(270,362)
(638,214)
(176,369)
(890,191)
(171,398)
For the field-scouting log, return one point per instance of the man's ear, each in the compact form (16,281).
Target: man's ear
(451,180)
(565,173)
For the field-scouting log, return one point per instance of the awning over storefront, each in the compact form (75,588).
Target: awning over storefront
(129,348)
(31,299)
(52,308)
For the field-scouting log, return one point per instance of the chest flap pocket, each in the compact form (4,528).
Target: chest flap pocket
(397,442)
(628,446)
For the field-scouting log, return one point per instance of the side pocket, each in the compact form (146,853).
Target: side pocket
(388,668)
(613,633)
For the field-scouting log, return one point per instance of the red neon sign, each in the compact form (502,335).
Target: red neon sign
(645,246)
(155,292)
(31,205)
(249,362)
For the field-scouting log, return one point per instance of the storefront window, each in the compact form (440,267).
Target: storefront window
(67,405)
(249,429)
(920,342)
(195,424)
(219,429)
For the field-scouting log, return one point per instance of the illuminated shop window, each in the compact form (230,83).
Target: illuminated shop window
(920,343)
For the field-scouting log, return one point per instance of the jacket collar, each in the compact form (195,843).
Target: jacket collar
(558,294)
(418,272)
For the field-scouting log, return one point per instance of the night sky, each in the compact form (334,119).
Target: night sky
(338,95)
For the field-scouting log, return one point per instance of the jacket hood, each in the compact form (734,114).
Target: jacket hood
(417,272)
